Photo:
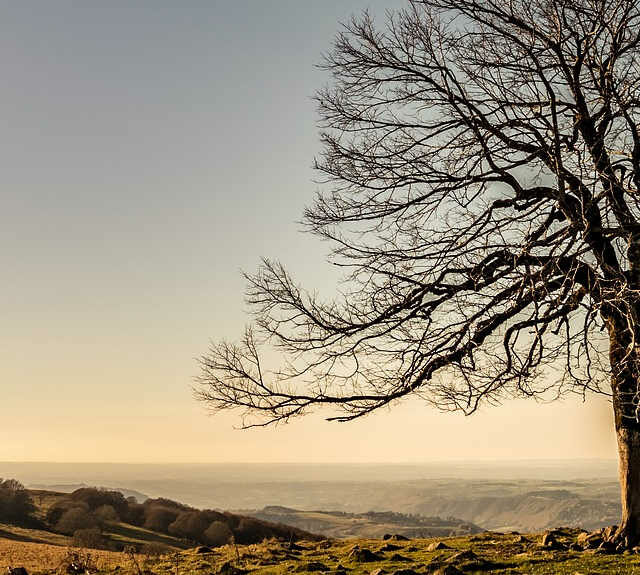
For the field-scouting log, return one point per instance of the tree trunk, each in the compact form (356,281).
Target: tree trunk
(628,533)
(623,355)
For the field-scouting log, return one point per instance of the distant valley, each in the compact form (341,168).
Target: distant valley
(522,497)
(372,524)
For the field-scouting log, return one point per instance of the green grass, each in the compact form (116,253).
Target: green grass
(495,554)
(498,554)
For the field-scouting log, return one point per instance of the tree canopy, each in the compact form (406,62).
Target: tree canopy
(481,167)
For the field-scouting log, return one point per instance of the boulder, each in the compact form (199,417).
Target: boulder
(398,557)
(395,537)
(549,541)
(363,555)
(467,560)
(437,545)
(202,550)
(389,547)
(590,540)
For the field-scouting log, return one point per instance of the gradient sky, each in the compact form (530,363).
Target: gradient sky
(150,151)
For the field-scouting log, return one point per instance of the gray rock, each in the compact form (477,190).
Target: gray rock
(363,555)
(437,545)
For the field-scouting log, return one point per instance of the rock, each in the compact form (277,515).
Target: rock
(467,560)
(437,545)
(398,557)
(202,550)
(549,541)
(311,567)
(467,555)
(363,555)
(389,547)
(395,537)
(16,571)
(589,540)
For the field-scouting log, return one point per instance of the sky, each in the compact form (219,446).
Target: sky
(152,150)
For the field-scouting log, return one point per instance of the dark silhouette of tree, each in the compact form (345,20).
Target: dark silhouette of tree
(217,534)
(482,168)
(16,505)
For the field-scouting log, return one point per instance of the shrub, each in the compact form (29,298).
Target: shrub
(217,534)
(159,518)
(15,502)
(95,498)
(105,514)
(91,537)
(190,525)
(74,519)
(155,549)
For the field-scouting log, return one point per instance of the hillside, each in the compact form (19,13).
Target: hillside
(372,524)
(489,553)
(104,519)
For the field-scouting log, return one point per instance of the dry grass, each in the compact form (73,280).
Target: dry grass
(43,558)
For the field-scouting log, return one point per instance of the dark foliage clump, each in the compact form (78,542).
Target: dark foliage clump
(16,505)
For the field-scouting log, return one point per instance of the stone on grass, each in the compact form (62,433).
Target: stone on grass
(363,555)
(437,545)
(395,537)
(399,558)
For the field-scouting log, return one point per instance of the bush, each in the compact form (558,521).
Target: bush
(15,502)
(75,519)
(217,534)
(95,498)
(159,518)
(91,537)
(155,549)
(190,525)
(106,514)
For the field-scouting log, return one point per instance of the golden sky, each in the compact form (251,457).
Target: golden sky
(151,151)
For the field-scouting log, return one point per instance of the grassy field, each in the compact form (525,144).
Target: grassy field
(480,554)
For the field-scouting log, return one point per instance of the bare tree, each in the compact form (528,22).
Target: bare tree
(481,164)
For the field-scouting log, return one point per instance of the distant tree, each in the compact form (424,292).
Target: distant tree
(15,502)
(217,534)
(482,160)
(74,519)
(106,514)
(159,518)
(95,498)
(190,525)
